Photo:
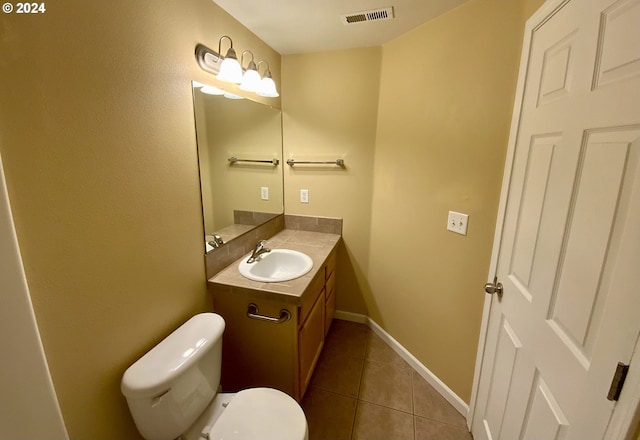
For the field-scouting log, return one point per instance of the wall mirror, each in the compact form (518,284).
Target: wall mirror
(240,159)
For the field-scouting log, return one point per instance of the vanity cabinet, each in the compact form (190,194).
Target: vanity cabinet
(311,340)
(281,349)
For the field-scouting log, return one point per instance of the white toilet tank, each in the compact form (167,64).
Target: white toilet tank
(169,387)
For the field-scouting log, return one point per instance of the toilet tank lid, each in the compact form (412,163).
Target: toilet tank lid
(154,372)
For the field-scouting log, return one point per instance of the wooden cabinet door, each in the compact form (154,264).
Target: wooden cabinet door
(330,307)
(257,353)
(311,341)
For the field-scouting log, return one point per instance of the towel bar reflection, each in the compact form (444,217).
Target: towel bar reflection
(339,162)
(275,161)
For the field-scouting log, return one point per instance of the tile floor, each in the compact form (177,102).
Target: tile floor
(362,390)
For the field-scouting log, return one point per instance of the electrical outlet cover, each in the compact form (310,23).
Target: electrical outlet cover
(304,196)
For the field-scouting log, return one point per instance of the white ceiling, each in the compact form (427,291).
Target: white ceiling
(304,26)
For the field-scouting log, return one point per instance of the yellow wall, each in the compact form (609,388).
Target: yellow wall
(98,146)
(445,96)
(330,105)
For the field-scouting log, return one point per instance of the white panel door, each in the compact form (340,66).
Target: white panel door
(569,249)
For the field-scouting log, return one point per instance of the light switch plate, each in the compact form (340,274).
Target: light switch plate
(457,222)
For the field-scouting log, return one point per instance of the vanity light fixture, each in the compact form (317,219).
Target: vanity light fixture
(267,85)
(230,69)
(251,78)
(252,81)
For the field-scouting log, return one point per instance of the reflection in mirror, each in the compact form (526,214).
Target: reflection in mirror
(237,195)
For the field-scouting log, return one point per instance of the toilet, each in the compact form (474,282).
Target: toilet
(172,392)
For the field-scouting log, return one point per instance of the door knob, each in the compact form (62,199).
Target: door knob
(494,287)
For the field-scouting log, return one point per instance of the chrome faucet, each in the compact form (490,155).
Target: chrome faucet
(259,250)
(216,242)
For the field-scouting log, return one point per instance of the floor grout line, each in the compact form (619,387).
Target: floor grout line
(440,421)
(337,393)
(371,349)
(387,407)
(355,416)
(413,406)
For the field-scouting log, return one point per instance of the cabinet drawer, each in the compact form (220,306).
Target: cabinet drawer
(310,296)
(330,266)
(310,342)
(331,284)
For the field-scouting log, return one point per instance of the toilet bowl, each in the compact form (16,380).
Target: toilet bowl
(172,391)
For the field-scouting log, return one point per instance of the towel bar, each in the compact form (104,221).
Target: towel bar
(339,162)
(252,312)
(274,161)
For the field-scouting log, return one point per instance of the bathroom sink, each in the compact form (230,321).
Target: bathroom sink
(276,266)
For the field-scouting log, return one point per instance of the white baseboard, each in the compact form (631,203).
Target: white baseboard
(460,405)
(348,316)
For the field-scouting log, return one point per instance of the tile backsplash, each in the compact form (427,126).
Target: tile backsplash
(313,224)
(219,258)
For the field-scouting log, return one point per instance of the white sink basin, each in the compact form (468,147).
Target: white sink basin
(276,266)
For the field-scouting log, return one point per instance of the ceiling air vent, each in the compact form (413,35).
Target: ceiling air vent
(372,15)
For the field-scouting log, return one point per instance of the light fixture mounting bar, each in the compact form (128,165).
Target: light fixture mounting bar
(208,59)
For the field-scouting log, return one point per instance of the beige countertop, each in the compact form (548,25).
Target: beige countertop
(318,245)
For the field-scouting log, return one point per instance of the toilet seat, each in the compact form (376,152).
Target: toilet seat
(261,413)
